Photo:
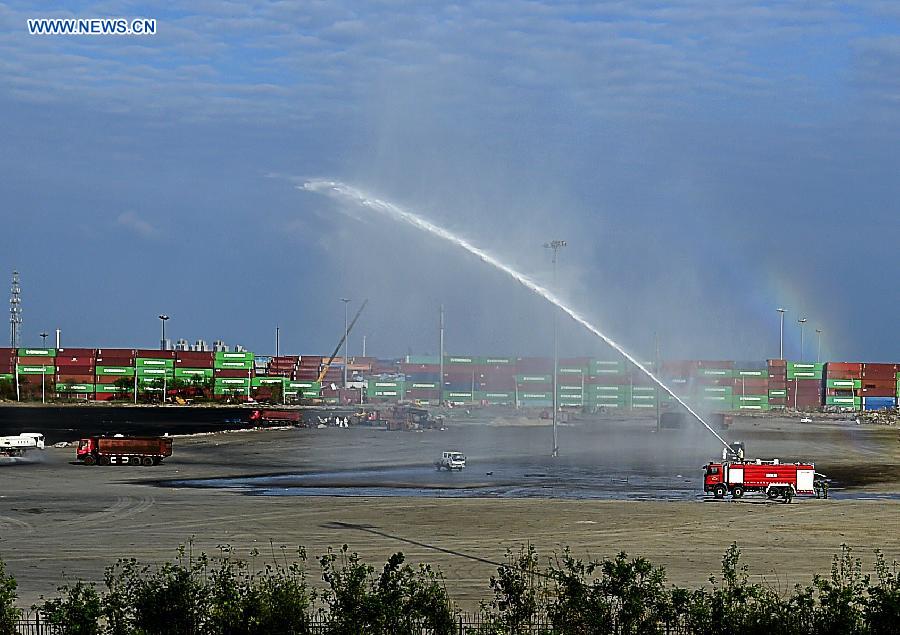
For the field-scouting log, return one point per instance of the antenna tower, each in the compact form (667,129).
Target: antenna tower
(15,311)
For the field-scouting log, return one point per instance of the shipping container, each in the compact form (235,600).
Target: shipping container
(152,353)
(879,403)
(124,371)
(37,352)
(31,369)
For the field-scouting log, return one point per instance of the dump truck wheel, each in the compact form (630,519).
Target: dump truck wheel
(104,460)
(147,461)
(89,460)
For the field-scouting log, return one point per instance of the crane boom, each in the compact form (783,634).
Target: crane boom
(337,348)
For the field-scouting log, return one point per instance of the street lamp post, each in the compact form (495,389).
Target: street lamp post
(818,345)
(162,342)
(346,303)
(44,335)
(555,245)
(781,310)
(801,322)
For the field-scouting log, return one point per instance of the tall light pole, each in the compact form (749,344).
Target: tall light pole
(277,340)
(346,302)
(555,245)
(44,336)
(441,361)
(781,310)
(162,342)
(818,345)
(801,322)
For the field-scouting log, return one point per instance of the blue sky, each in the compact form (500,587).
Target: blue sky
(707,163)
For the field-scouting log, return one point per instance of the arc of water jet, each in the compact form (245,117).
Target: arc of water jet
(350,193)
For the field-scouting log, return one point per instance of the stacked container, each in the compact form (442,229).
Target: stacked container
(7,364)
(843,385)
(232,373)
(751,386)
(713,385)
(114,367)
(777,369)
(879,388)
(606,385)
(36,370)
(804,385)
(75,372)
(154,370)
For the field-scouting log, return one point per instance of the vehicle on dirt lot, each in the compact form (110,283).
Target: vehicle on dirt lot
(17,445)
(772,478)
(122,450)
(451,461)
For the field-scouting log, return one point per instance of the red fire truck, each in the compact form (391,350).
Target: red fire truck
(772,478)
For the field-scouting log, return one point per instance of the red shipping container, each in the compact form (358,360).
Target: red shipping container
(569,380)
(610,380)
(153,353)
(528,365)
(109,396)
(36,361)
(409,369)
(715,364)
(76,352)
(115,352)
(76,378)
(843,367)
(111,379)
(231,373)
(74,361)
(116,361)
(575,362)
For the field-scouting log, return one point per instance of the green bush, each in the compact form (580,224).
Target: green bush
(8,595)
(76,612)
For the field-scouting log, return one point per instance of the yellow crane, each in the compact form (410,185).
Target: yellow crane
(337,348)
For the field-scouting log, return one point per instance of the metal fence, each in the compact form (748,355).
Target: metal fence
(35,625)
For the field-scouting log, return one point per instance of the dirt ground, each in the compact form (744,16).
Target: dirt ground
(59,519)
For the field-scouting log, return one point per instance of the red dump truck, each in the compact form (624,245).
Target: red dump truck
(276,416)
(772,478)
(144,451)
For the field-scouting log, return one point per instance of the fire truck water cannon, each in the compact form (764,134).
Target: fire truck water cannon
(772,478)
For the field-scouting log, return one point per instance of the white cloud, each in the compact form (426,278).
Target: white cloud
(134,223)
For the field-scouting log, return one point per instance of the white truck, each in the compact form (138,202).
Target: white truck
(17,445)
(451,461)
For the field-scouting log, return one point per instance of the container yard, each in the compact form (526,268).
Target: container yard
(582,383)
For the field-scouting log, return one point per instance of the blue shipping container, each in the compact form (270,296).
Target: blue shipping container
(879,403)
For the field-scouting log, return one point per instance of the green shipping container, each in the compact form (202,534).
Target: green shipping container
(422,385)
(189,374)
(499,361)
(849,384)
(715,372)
(229,356)
(110,388)
(525,379)
(228,364)
(460,360)
(598,367)
(74,388)
(751,373)
(804,374)
(7,377)
(256,382)
(846,402)
(423,359)
(36,370)
(304,385)
(122,371)
(232,381)
(156,372)
(149,362)
(37,352)
(570,370)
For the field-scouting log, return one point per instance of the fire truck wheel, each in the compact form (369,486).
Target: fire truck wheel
(773,493)
(90,460)
(719,492)
(104,460)
(737,492)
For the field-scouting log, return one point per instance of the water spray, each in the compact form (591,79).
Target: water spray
(349,193)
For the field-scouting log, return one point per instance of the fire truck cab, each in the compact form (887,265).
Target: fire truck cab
(772,478)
